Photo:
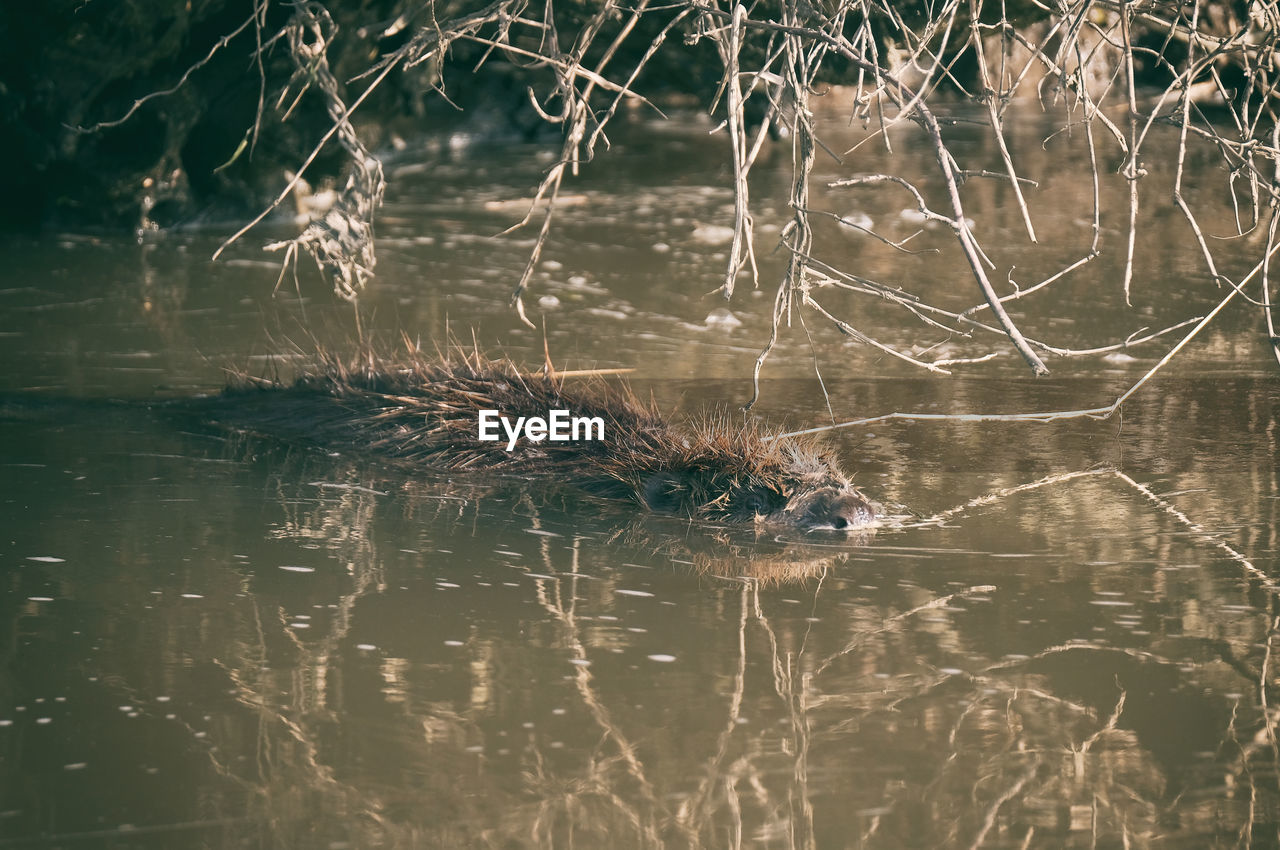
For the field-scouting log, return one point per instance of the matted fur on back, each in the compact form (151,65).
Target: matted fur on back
(426,413)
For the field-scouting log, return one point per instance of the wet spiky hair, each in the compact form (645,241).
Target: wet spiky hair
(425,412)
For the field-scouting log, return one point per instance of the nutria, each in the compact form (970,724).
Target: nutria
(427,413)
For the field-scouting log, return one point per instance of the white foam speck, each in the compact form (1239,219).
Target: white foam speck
(712,234)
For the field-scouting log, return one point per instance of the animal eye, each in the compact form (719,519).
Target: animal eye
(662,492)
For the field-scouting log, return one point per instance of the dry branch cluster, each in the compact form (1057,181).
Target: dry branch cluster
(1117,73)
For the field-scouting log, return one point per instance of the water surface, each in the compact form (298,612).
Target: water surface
(1062,636)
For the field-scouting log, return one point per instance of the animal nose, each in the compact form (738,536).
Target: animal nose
(850,512)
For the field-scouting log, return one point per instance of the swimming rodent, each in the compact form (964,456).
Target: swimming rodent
(426,412)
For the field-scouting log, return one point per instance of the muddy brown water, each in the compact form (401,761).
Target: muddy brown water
(1063,640)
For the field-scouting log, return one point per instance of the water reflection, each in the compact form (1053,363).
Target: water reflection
(1063,637)
(231,643)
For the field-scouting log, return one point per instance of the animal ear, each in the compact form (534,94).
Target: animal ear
(662,492)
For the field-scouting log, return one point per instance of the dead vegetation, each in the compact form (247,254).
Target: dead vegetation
(1118,74)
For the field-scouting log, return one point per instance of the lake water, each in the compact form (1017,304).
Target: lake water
(1061,637)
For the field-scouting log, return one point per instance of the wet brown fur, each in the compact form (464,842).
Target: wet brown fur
(425,412)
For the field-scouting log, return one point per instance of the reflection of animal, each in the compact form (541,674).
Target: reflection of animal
(427,413)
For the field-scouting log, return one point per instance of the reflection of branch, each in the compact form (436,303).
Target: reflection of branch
(989,819)
(943,516)
(691,812)
(1109,727)
(895,621)
(796,700)
(1204,534)
(555,604)
(1266,736)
